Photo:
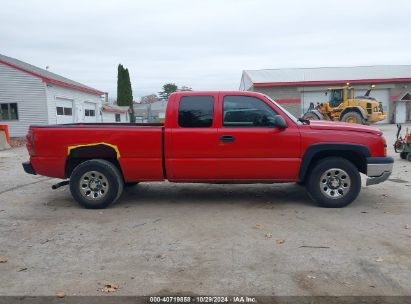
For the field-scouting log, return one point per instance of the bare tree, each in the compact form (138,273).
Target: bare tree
(185,88)
(149,99)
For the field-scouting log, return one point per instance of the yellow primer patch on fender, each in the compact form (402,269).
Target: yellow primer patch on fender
(69,148)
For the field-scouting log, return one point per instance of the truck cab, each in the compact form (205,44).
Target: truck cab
(232,136)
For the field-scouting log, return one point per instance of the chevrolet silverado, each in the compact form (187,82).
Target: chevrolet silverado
(211,137)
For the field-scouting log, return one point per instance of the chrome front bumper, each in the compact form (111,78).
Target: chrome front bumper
(378,169)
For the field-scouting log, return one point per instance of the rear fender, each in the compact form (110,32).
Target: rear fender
(80,153)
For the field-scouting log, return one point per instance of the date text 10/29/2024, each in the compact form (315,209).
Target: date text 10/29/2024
(202,299)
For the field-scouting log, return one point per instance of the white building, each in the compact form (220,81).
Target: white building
(30,96)
(114,113)
(296,88)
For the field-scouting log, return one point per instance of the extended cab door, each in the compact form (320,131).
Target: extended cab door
(250,148)
(191,137)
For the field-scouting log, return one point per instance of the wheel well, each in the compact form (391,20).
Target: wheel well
(353,109)
(357,158)
(80,154)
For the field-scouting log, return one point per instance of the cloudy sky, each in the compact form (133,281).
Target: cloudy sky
(201,44)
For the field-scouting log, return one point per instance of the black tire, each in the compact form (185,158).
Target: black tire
(320,186)
(403,155)
(104,173)
(409,157)
(311,116)
(351,116)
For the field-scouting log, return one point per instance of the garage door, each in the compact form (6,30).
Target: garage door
(90,112)
(314,97)
(64,111)
(382,96)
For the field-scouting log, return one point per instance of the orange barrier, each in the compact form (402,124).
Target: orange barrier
(5,128)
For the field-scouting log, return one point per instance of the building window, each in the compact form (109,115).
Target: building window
(90,112)
(196,112)
(245,111)
(8,111)
(118,117)
(64,111)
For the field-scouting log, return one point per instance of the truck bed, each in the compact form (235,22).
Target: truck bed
(100,125)
(138,148)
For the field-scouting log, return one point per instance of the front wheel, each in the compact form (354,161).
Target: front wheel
(95,184)
(353,117)
(333,182)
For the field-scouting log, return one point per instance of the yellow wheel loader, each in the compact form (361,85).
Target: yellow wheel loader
(343,106)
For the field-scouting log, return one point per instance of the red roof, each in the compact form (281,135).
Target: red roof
(46,75)
(114,109)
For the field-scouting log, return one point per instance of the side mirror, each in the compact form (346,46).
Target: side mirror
(279,122)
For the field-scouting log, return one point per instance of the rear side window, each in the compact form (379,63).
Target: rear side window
(196,112)
(247,112)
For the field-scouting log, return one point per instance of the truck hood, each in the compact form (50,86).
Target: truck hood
(342,126)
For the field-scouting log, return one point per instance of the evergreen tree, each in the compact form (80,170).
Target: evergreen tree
(124,91)
(168,88)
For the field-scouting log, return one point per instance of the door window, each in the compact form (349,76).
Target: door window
(336,97)
(196,112)
(248,112)
(89,112)
(64,111)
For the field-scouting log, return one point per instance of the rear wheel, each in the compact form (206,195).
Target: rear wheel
(334,182)
(409,157)
(403,155)
(95,184)
(353,117)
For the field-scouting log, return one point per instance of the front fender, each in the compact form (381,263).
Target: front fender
(356,109)
(329,149)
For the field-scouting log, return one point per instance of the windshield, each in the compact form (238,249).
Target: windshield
(336,95)
(291,116)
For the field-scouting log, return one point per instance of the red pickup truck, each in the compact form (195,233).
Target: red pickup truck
(211,137)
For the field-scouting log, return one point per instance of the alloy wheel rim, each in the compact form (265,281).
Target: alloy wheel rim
(335,183)
(93,185)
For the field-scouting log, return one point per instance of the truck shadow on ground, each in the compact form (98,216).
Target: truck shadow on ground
(266,196)
(250,195)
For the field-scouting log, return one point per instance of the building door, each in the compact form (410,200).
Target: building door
(90,112)
(64,111)
(314,97)
(400,112)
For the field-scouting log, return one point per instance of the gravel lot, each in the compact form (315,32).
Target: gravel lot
(204,239)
